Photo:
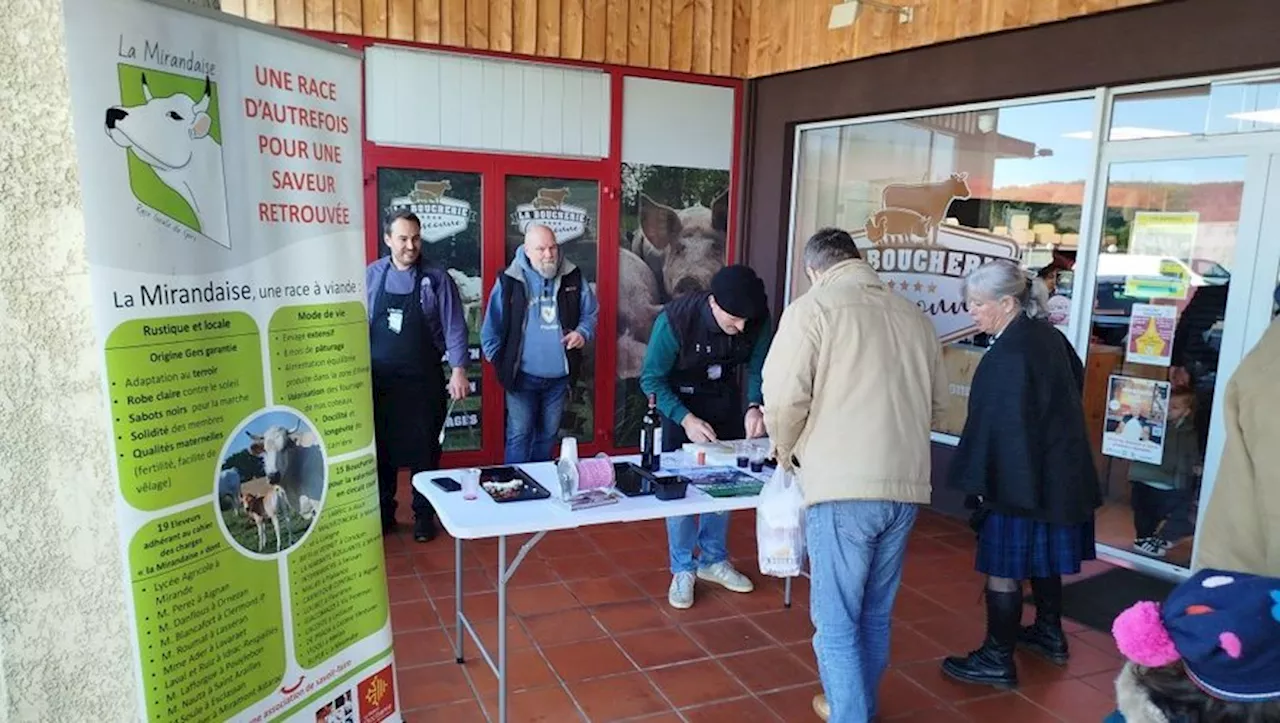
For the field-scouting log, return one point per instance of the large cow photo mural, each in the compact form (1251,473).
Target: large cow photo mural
(674,224)
(923,254)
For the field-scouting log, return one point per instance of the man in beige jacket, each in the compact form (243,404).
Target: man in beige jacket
(852,385)
(1241,527)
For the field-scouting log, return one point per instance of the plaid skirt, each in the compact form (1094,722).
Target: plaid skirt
(1020,548)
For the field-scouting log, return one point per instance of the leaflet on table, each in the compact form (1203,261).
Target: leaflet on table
(222,184)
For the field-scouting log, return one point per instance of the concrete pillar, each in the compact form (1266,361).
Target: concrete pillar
(64,634)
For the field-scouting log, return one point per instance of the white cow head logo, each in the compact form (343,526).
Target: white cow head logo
(162,131)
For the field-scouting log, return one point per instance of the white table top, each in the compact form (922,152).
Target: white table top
(482,517)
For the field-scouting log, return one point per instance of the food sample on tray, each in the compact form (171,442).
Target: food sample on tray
(504,490)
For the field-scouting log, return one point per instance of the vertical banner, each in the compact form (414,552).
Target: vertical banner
(221,171)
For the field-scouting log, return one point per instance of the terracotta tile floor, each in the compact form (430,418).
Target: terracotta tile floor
(591,637)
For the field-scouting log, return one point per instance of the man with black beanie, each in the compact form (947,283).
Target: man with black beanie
(699,345)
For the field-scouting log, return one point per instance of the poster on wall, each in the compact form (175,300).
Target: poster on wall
(448,205)
(1151,329)
(1135,422)
(673,240)
(222,185)
(571,209)
(1164,233)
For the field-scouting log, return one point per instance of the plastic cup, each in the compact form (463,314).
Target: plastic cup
(470,484)
(757,459)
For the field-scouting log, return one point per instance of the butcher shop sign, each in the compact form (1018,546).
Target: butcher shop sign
(926,260)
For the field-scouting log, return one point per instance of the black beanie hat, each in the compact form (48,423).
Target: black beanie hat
(739,291)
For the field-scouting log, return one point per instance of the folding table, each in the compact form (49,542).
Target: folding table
(483,518)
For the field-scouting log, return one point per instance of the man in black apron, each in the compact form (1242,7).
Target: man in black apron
(415,315)
(699,345)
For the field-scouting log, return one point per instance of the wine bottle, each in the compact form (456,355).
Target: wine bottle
(651,438)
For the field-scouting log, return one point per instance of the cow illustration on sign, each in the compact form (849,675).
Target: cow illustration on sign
(919,209)
(924,259)
(272,477)
(442,216)
(169,126)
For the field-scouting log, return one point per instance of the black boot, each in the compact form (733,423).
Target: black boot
(1045,637)
(992,664)
(424,528)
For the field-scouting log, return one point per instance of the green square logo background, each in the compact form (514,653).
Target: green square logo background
(146,185)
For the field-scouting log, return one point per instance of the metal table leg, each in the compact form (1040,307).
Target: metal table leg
(505,573)
(786,589)
(457,596)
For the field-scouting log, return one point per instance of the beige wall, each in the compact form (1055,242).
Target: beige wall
(64,635)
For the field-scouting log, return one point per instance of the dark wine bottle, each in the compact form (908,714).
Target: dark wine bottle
(651,438)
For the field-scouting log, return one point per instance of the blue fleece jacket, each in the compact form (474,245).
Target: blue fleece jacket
(543,352)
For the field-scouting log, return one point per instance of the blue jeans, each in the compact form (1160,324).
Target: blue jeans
(534,409)
(856,549)
(710,532)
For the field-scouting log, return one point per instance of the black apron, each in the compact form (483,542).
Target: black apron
(719,405)
(409,399)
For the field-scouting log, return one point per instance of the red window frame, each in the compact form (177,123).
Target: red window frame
(495,168)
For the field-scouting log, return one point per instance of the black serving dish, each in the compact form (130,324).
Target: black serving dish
(529,490)
(631,480)
(670,487)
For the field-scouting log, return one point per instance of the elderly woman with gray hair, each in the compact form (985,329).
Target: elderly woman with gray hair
(1025,463)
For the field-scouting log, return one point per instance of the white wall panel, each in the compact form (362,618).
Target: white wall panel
(667,123)
(571,124)
(436,99)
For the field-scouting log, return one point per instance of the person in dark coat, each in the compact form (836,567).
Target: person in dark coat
(1025,462)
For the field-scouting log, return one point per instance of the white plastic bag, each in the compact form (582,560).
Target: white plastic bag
(780,526)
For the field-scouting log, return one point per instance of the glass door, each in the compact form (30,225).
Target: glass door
(447,193)
(1178,239)
(567,197)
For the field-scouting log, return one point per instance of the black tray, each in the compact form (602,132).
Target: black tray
(530,491)
(631,480)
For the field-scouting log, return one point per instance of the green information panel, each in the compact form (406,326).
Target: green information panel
(179,386)
(209,620)
(337,578)
(320,366)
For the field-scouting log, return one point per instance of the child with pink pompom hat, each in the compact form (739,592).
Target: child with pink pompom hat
(1209,654)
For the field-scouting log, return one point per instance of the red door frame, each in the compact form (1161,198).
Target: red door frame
(495,168)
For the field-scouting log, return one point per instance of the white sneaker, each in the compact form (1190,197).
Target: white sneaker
(680,594)
(723,574)
(1149,546)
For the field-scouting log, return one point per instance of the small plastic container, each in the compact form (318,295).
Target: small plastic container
(470,483)
(670,487)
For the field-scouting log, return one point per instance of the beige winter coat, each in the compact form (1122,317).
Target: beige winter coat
(852,384)
(1241,529)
